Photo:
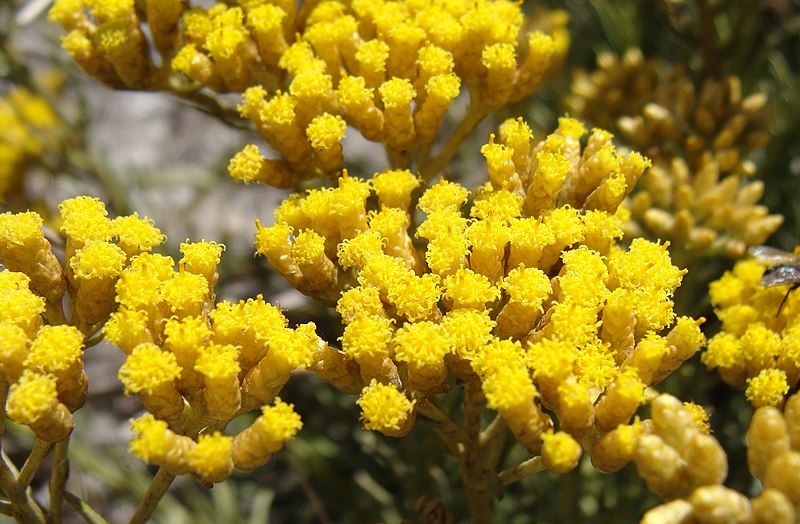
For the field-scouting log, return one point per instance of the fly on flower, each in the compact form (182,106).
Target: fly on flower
(785,269)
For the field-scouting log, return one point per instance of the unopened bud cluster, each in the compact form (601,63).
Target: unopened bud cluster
(699,140)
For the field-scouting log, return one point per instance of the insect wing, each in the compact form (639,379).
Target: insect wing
(773,255)
(780,275)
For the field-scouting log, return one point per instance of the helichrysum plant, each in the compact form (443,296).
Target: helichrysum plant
(523,311)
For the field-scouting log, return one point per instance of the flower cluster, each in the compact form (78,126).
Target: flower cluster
(699,142)
(758,347)
(195,363)
(530,299)
(773,457)
(29,127)
(390,69)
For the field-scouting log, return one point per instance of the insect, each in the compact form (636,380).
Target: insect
(785,269)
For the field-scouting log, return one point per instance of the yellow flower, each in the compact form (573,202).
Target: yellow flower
(386,409)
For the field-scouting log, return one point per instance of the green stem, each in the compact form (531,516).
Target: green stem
(158,487)
(25,508)
(521,470)
(475,114)
(40,450)
(58,481)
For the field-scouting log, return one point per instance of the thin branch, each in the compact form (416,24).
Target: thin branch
(158,487)
(520,471)
(476,112)
(37,455)
(58,481)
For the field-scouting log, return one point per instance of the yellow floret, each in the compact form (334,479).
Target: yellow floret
(77,45)
(279,110)
(724,350)
(595,365)
(201,258)
(105,10)
(367,336)
(85,219)
(384,407)
(422,344)
(311,84)
(66,13)
(19,229)
(227,35)
(433,60)
(137,235)
(469,331)
(498,206)
(112,35)
(149,438)
(699,415)
(356,251)
(211,457)
(127,325)
(31,397)
(467,289)
(767,388)
(185,293)
(444,195)
(279,422)
(326,131)
(499,57)
(218,361)
(560,451)
(372,55)
(505,379)
(416,298)
(147,368)
(55,349)
(760,345)
(528,286)
(300,57)
(98,260)
(397,93)
(394,187)
(20,306)
(360,301)
(245,165)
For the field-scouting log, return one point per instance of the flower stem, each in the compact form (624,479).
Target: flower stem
(476,112)
(40,450)
(521,470)
(158,487)
(58,481)
(25,508)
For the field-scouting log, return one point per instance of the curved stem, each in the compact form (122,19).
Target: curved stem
(450,434)
(58,481)
(158,487)
(40,450)
(521,470)
(475,114)
(25,508)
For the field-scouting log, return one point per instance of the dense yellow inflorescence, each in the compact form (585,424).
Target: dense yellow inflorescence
(523,292)
(758,347)
(390,69)
(194,363)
